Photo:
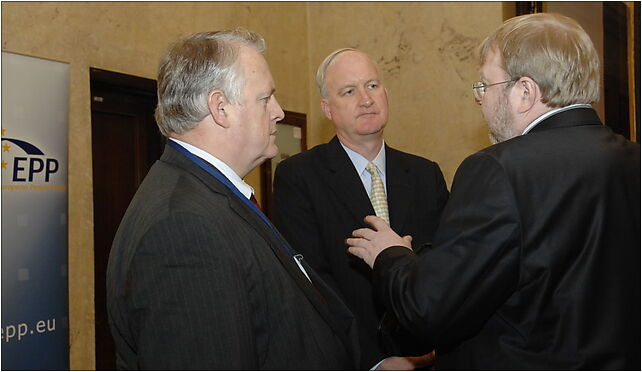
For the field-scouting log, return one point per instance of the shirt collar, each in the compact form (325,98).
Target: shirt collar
(548,114)
(360,162)
(237,181)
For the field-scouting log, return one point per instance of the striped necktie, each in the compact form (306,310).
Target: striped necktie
(378,193)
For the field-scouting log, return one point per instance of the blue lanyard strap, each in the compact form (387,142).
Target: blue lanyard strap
(225,181)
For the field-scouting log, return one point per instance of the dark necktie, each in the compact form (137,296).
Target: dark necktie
(255,202)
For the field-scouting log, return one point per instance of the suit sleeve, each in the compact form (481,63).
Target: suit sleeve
(189,299)
(448,292)
(294,217)
(442,191)
(440,198)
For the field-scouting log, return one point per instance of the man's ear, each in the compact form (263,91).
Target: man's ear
(325,107)
(217,103)
(528,94)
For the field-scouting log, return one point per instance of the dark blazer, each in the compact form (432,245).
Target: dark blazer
(536,262)
(196,280)
(319,200)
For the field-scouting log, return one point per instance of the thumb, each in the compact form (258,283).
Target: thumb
(408,240)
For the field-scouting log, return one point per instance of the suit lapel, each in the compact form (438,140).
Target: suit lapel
(342,178)
(317,292)
(338,322)
(347,185)
(399,184)
(272,237)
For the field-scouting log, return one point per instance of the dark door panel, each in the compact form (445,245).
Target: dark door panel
(125,143)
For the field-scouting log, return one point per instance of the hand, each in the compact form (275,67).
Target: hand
(368,243)
(407,363)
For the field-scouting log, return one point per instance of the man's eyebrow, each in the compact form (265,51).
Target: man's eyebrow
(267,94)
(348,85)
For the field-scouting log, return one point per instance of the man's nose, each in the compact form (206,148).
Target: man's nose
(278,113)
(366,99)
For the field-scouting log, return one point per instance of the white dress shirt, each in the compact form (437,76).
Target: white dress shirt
(237,181)
(360,163)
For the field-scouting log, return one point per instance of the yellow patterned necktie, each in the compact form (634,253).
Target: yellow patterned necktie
(378,193)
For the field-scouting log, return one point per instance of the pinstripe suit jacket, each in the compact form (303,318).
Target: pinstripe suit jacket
(196,280)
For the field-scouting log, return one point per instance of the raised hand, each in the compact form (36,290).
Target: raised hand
(368,243)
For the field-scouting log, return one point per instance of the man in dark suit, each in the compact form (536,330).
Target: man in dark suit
(323,194)
(198,278)
(536,262)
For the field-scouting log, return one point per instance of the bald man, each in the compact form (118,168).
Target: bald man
(322,195)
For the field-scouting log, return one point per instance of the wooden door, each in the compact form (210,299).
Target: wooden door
(125,144)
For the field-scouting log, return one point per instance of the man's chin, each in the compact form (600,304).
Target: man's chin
(272,151)
(371,128)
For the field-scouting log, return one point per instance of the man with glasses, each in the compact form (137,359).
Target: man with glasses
(536,262)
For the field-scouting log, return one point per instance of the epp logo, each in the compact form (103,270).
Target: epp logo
(33,166)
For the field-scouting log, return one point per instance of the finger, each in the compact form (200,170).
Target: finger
(356,242)
(365,233)
(358,252)
(408,241)
(377,223)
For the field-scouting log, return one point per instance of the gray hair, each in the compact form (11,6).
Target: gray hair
(554,51)
(323,68)
(193,67)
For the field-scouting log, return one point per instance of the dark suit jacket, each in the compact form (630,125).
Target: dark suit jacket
(319,200)
(196,280)
(536,263)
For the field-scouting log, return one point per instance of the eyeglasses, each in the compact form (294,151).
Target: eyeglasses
(479,88)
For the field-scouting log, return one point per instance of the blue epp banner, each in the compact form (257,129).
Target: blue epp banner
(35,99)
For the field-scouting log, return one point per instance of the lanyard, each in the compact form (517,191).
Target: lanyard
(225,181)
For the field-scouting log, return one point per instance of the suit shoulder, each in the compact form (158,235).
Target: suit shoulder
(303,159)
(177,189)
(411,159)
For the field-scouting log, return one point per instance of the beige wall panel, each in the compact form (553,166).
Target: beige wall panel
(427,54)
(426,51)
(129,37)
(284,26)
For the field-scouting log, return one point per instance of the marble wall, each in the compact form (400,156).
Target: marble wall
(425,50)
(129,37)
